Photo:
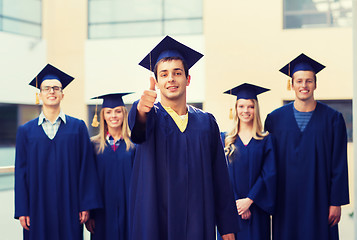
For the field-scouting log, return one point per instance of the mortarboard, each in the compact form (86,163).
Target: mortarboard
(246,91)
(169,47)
(111,100)
(301,63)
(51,72)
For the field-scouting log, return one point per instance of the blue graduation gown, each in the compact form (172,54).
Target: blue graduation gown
(180,184)
(114,170)
(55,179)
(312,172)
(253,175)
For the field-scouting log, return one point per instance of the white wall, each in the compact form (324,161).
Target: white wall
(21,59)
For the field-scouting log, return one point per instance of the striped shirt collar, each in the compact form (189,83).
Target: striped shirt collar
(43,118)
(111,142)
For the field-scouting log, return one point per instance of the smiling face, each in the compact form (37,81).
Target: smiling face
(304,85)
(51,93)
(172,80)
(245,110)
(113,117)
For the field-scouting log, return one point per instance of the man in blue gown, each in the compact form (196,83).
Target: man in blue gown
(56,183)
(180,184)
(311,142)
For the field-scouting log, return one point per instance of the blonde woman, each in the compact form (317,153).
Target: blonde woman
(251,164)
(115,153)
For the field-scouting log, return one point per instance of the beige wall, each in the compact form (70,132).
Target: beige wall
(245,42)
(65,31)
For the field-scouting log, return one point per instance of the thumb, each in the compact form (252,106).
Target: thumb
(152,83)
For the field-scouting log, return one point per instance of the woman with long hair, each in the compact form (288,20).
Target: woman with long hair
(251,164)
(115,153)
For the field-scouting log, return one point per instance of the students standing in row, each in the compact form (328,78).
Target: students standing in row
(311,143)
(114,158)
(251,164)
(180,185)
(56,182)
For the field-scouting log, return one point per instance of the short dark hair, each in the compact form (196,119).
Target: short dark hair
(165,59)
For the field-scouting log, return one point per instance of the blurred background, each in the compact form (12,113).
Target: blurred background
(101,42)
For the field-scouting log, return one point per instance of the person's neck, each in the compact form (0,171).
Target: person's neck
(305,106)
(51,113)
(178,106)
(115,133)
(245,132)
(245,128)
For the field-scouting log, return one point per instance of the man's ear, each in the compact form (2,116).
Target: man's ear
(188,80)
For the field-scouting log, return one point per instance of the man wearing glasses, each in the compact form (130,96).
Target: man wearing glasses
(56,183)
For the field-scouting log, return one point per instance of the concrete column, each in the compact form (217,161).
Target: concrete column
(65,33)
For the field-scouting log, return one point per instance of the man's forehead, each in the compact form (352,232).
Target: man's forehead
(304,73)
(48,82)
(173,63)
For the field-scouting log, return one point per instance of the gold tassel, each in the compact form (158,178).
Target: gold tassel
(230,114)
(289,85)
(37,102)
(95,122)
(37,99)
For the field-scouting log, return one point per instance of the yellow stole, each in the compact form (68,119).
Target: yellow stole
(181,121)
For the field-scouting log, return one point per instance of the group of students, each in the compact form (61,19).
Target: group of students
(165,172)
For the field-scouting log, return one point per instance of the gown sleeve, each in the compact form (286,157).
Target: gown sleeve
(263,192)
(268,126)
(89,193)
(21,185)
(138,130)
(225,209)
(339,175)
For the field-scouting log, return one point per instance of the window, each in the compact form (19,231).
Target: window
(344,107)
(11,116)
(317,13)
(143,18)
(21,17)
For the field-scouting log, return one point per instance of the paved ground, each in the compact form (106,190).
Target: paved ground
(11,229)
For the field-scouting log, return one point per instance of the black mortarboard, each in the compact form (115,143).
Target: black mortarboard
(169,47)
(51,72)
(246,91)
(302,63)
(112,100)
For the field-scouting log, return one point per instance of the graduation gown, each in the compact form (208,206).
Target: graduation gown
(180,184)
(114,171)
(253,174)
(55,179)
(312,172)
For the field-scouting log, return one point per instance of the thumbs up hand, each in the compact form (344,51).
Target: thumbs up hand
(147,99)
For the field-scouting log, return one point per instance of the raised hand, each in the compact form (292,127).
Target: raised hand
(147,100)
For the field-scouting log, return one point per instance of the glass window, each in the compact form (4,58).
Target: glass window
(22,17)
(11,116)
(317,13)
(138,18)
(8,126)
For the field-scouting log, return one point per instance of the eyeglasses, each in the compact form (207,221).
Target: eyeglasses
(55,89)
